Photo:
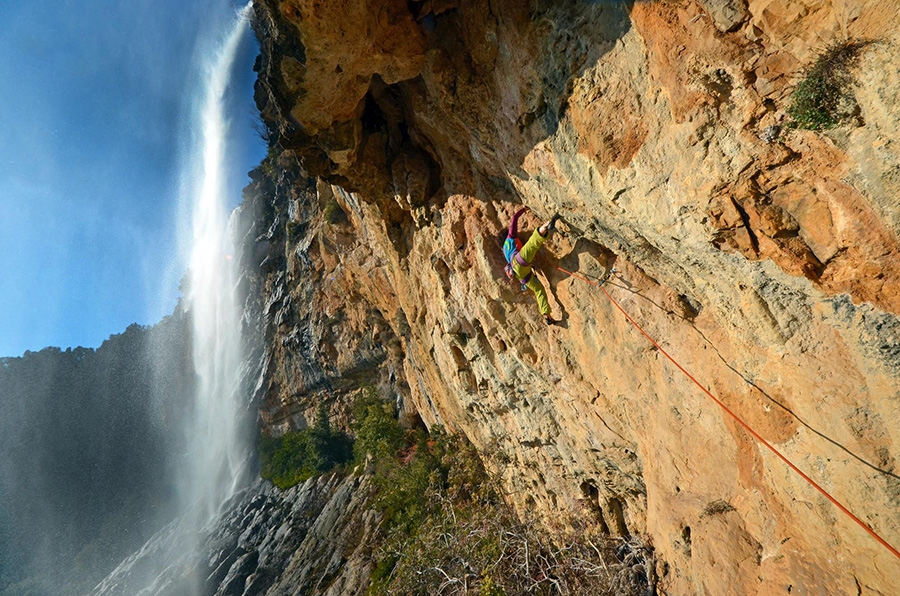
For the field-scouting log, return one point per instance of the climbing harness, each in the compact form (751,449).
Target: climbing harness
(737,418)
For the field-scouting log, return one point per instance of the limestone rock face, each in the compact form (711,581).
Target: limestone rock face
(764,259)
(726,14)
(310,539)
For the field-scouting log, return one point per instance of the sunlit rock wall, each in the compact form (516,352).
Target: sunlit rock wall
(764,259)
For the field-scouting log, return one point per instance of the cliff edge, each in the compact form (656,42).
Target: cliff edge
(763,257)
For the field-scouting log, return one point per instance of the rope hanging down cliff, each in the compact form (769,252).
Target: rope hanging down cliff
(737,418)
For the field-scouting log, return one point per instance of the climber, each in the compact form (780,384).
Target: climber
(519,258)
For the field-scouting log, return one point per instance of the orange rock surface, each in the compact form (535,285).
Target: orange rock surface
(765,259)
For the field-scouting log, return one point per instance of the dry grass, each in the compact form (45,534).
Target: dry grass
(471,542)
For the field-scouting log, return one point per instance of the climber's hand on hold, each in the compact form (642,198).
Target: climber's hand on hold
(549,226)
(552,223)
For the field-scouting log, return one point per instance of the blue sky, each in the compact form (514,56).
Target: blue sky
(93,113)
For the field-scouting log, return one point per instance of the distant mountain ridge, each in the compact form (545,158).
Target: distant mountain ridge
(89,443)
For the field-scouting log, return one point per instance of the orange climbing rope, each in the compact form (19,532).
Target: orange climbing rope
(746,426)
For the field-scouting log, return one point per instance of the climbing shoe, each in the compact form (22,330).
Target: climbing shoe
(549,320)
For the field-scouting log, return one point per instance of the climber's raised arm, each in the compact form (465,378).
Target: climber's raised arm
(514,223)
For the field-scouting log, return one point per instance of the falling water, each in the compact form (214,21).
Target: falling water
(218,451)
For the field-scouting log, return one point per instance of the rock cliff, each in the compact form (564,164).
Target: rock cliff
(763,258)
(311,539)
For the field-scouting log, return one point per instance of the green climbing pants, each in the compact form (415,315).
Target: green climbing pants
(528,252)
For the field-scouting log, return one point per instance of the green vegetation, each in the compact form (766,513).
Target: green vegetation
(823,99)
(447,529)
(333,212)
(269,162)
(378,431)
(297,456)
(293,229)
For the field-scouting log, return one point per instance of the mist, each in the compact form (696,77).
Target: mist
(145,434)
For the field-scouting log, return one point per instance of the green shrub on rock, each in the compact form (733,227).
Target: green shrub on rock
(296,456)
(447,530)
(333,212)
(823,99)
(445,526)
(378,431)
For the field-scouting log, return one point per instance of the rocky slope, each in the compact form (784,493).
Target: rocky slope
(765,259)
(311,539)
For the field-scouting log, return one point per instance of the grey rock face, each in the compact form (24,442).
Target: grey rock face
(726,14)
(310,539)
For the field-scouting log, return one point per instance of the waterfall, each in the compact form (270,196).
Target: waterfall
(215,466)
(218,449)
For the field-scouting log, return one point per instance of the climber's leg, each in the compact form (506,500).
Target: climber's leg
(534,284)
(529,251)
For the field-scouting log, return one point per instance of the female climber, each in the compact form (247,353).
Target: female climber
(519,258)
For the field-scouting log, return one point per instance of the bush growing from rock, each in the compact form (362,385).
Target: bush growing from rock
(447,529)
(823,97)
(297,456)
